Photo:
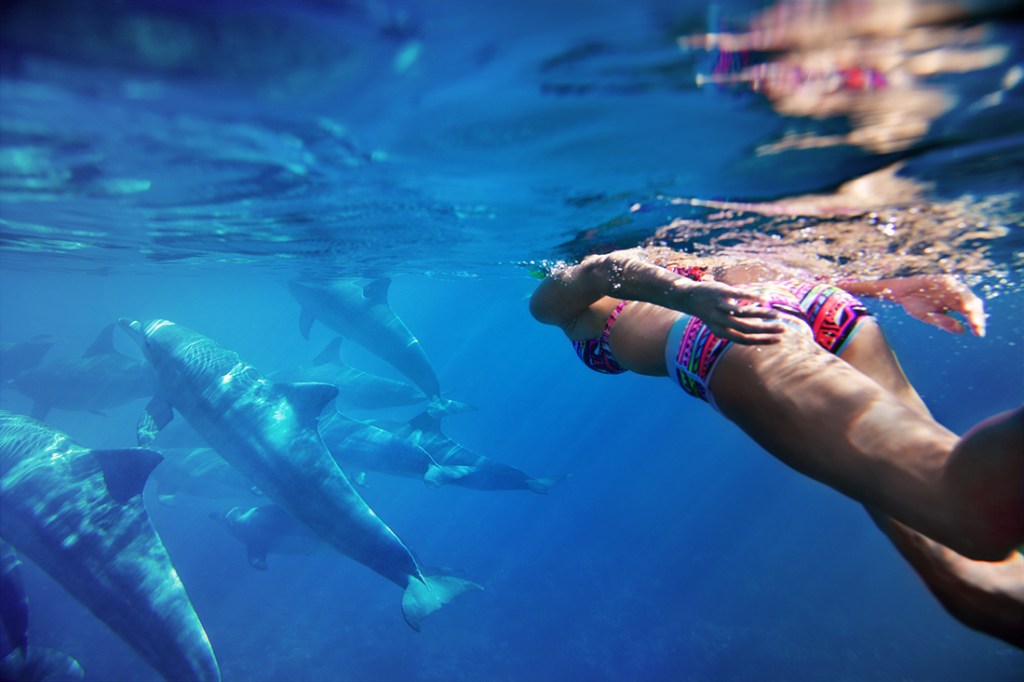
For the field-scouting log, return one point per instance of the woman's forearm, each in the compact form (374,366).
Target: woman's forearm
(621,274)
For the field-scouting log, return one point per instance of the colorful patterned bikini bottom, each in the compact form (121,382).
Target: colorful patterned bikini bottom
(825,312)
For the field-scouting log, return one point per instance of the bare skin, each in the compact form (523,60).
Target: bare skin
(810,409)
(983,595)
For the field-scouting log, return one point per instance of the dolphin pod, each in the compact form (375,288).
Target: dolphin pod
(268,431)
(78,514)
(364,315)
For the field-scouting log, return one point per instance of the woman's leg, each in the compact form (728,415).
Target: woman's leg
(824,418)
(988,597)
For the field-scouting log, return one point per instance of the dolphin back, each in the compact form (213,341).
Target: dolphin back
(100,544)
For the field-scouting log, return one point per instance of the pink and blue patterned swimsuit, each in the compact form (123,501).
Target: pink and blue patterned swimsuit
(595,352)
(827,313)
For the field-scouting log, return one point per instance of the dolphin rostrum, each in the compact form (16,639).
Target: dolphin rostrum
(268,431)
(78,514)
(364,315)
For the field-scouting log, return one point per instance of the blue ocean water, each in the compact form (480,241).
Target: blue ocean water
(171,160)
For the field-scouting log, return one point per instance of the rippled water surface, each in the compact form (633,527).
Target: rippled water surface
(183,161)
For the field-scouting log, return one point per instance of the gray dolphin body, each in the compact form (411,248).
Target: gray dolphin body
(78,514)
(358,446)
(18,663)
(17,357)
(363,390)
(269,432)
(100,379)
(482,473)
(364,315)
(199,472)
(268,529)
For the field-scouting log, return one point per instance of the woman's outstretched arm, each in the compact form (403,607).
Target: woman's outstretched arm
(730,312)
(929,298)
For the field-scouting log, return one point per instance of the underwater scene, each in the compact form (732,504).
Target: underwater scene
(273,405)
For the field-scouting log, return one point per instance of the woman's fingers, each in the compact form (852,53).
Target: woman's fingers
(974,311)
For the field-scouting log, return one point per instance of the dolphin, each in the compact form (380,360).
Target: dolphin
(363,390)
(13,602)
(360,446)
(15,358)
(269,433)
(482,473)
(78,514)
(42,664)
(100,379)
(268,529)
(199,472)
(17,664)
(362,313)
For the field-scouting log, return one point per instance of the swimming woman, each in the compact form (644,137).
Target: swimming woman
(804,369)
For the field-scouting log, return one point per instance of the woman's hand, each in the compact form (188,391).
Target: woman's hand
(731,313)
(932,299)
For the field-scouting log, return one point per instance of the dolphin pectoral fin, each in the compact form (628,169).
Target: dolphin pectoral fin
(306,319)
(257,557)
(422,597)
(157,415)
(41,663)
(360,480)
(439,474)
(329,354)
(125,471)
(377,291)
(309,399)
(439,407)
(542,485)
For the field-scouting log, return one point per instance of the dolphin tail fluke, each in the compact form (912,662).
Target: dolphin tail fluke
(542,485)
(439,474)
(440,407)
(423,597)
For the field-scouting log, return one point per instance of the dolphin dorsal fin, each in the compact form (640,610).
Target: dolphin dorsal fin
(306,320)
(377,290)
(329,354)
(309,398)
(125,471)
(103,344)
(425,421)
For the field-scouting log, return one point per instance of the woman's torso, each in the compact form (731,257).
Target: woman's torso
(637,339)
